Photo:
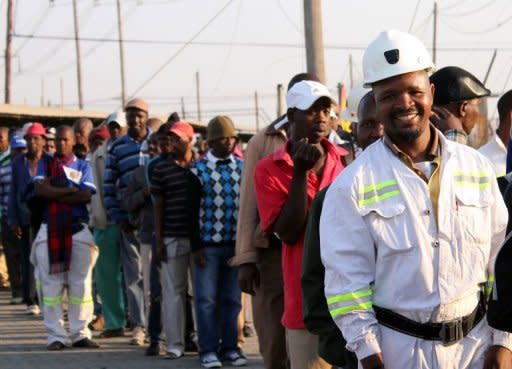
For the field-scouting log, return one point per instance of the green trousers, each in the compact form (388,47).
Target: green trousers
(108,276)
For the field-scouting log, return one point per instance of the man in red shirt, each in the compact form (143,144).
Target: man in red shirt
(286,182)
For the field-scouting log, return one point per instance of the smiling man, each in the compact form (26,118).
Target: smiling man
(410,231)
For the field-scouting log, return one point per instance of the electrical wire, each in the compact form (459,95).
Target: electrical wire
(70,64)
(414,15)
(507,80)
(454,5)
(53,51)
(486,30)
(34,29)
(465,13)
(243,44)
(173,56)
(230,48)
(288,18)
(424,24)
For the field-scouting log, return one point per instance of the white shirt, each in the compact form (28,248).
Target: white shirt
(214,159)
(496,152)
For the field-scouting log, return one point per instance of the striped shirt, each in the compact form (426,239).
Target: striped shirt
(179,188)
(123,157)
(5,182)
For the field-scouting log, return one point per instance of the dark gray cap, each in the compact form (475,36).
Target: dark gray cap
(454,84)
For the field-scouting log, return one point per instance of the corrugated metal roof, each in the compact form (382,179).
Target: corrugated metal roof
(27,112)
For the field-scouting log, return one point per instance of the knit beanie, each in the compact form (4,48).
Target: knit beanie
(220,127)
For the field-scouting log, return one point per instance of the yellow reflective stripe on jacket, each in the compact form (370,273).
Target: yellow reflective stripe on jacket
(489,285)
(52,301)
(38,285)
(378,192)
(75,300)
(480,180)
(348,302)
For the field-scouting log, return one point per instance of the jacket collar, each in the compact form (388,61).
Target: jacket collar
(278,127)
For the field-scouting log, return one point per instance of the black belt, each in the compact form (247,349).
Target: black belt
(448,332)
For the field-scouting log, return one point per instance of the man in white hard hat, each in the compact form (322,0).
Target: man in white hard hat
(410,231)
(350,112)
(354,97)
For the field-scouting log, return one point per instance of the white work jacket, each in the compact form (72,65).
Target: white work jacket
(496,152)
(380,243)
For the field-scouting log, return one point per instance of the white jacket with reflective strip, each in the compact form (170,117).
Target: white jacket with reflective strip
(380,243)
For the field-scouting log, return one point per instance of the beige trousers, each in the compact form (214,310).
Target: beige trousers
(302,348)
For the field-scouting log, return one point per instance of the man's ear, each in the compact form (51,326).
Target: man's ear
(432,90)
(462,108)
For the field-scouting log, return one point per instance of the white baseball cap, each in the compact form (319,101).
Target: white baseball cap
(304,94)
(117,117)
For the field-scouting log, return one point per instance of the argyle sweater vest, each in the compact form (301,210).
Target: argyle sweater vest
(218,212)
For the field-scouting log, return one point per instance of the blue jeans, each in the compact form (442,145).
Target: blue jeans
(217,300)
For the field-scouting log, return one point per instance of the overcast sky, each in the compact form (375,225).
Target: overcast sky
(245,46)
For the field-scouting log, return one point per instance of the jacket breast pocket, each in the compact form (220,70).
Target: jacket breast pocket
(472,216)
(388,224)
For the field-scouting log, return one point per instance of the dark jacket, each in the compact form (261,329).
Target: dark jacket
(138,205)
(331,345)
(499,314)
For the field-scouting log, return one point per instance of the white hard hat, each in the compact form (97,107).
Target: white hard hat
(303,94)
(393,53)
(354,98)
(118,117)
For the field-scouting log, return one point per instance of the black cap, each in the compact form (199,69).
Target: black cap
(454,84)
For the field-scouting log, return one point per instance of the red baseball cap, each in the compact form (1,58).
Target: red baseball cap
(36,129)
(183,130)
(100,132)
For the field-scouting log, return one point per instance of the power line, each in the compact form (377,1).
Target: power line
(454,5)
(70,64)
(37,24)
(414,15)
(52,52)
(168,61)
(230,48)
(487,30)
(472,11)
(288,18)
(242,44)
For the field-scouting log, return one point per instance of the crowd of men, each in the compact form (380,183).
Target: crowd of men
(382,247)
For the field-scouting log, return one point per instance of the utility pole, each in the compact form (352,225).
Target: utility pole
(314,38)
(340,88)
(61,93)
(78,58)
(8,50)
(281,108)
(198,98)
(42,92)
(350,65)
(121,51)
(434,39)
(183,108)
(257,110)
